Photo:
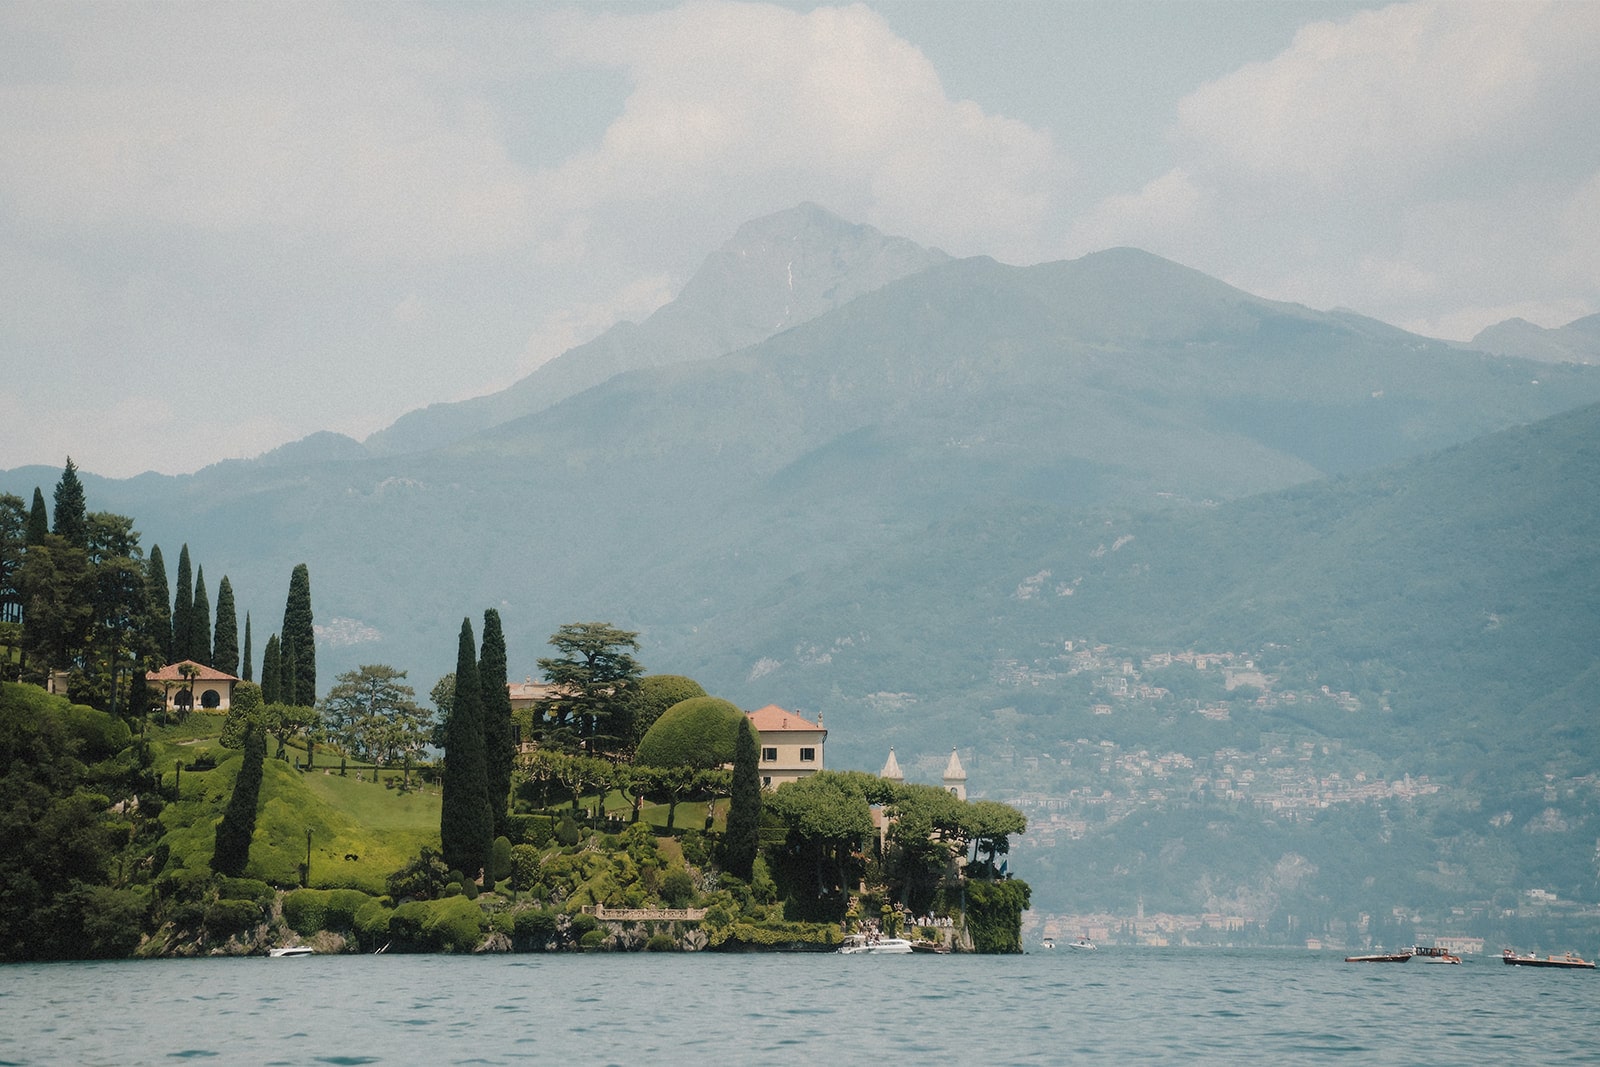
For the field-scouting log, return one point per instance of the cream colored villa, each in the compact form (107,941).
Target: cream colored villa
(191,686)
(791,746)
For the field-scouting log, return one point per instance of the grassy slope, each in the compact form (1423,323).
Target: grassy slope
(381,827)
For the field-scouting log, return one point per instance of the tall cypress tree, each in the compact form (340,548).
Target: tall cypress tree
(743,837)
(499,750)
(246,675)
(225,639)
(200,622)
(272,671)
(38,527)
(466,823)
(286,674)
(238,823)
(160,612)
(72,517)
(298,636)
(182,606)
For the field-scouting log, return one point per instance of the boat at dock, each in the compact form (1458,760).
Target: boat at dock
(291,951)
(1568,961)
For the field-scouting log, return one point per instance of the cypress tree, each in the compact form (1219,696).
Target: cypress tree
(466,824)
(160,612)
(182,606)
(298,636)
(246,675)
(72,519)
(271,672)
(225,642)
(200,622)
(743,837)
(38,520)
(286,674)
(499,750)
(238,823)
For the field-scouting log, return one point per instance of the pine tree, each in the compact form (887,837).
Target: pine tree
(225,642)
(466,823)
(200,622)
(500,752)
(160,613)
(238,823)
(182,606)
(743,837)
(72,519)
(298,636)
(246,675)
(38,520)
(272,671)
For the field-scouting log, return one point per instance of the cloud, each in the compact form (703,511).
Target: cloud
(296,122)
(767,106)
(1414,162)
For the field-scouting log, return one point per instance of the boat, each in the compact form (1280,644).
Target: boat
(1049,942)
(291,950)
(1083,944)
(1528,959)
(1381,957)
(863,945)
(1435,954)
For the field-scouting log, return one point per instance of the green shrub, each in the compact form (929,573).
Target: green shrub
(677,888)
(342,908)
(591,940)
(454,924)
(535,830)
(372,922)
(306,910)
(567,832)
(500,859)
(245,889)
(224,918)
(535,925)
(661,942)
(583,924)
(994,914)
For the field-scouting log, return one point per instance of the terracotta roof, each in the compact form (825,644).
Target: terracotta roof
(773,719)
(171,673)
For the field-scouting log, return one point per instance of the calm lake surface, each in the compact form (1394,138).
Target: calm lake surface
(1113,1006)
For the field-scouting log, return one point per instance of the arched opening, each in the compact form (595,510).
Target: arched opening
(183,699)
(211,699)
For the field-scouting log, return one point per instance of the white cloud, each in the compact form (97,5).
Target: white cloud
(767,106)
(1424,163)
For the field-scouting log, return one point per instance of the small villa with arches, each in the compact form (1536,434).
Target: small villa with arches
(191,686)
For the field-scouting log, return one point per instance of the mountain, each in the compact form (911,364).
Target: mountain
(774,273)
(1076,519)
(1576,342)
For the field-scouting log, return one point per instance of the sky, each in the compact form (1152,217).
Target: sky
(226,226)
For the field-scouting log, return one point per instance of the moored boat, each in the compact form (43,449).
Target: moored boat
(291,951)
(1528,959)
(1435,954)
(872,945)
(1381,957)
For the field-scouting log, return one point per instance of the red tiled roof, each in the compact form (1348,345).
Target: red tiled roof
(773,719)
(171,673)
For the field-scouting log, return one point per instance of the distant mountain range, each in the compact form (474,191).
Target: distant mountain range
(1576,342)
(852,476)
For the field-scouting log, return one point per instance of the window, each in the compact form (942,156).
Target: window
(769,755)
(766,781)
(210,698)
(808,755)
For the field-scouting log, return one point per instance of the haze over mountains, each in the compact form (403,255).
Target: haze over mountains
(850,475)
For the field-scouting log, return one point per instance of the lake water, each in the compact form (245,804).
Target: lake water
(1115,1006)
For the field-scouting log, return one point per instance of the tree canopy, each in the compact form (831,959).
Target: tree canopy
(701,732)
(593,681)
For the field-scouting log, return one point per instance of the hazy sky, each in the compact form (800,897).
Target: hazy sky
(225,226)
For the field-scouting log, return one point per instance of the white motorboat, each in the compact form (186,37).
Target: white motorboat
(291,950)
(1083,944)
(863,945)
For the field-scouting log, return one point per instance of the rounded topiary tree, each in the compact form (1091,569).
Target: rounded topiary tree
(700,732)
